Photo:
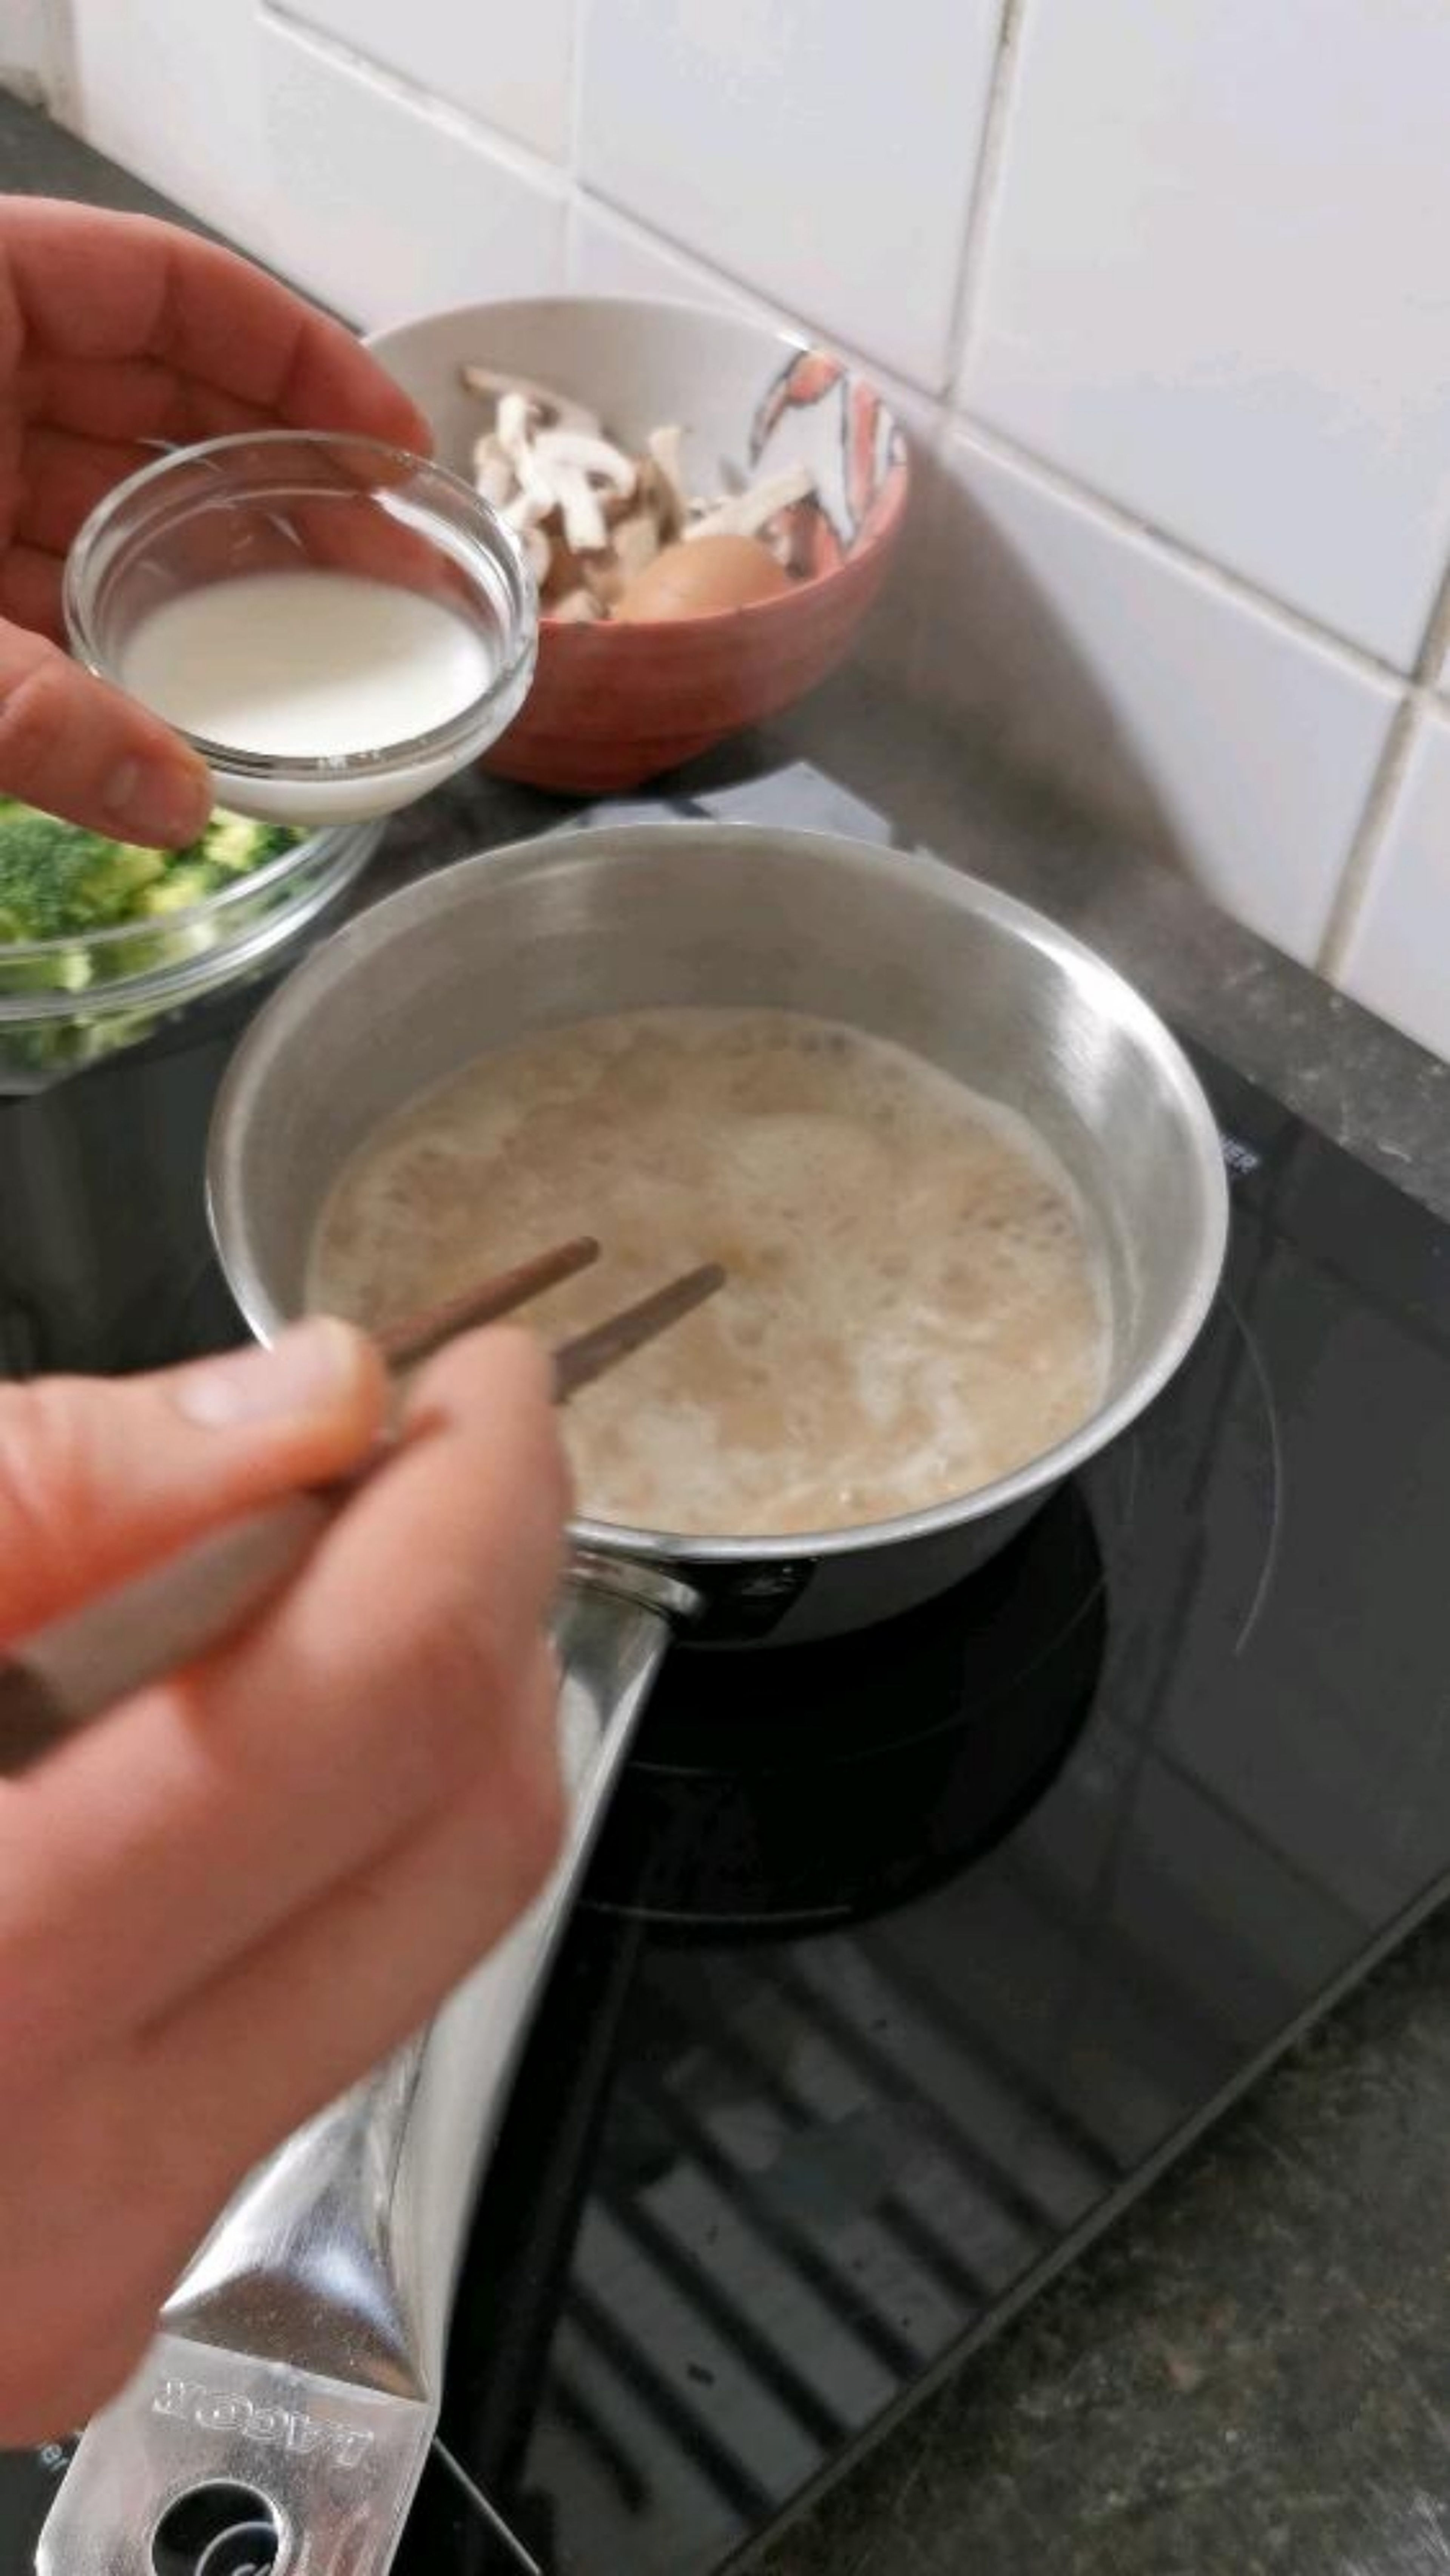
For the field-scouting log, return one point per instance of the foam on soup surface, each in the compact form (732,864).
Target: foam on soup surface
(914,1305)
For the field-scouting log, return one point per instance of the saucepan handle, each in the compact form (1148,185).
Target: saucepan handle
(198,2408)
(612,1633)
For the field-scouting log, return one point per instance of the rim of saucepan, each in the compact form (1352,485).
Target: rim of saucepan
(305,991)
(486,534)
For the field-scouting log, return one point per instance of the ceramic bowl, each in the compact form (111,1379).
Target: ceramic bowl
(613,705)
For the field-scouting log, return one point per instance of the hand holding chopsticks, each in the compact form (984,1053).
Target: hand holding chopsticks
(82,1663)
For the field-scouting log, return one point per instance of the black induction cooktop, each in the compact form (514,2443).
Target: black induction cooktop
(907,1961)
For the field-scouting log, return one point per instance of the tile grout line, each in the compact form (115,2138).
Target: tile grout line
(62,72)
(1357,874)
(991,160)
(590,195)
(1358,868)
(1066,486)
(524,160)
(1061,483)
(575,156)
(971,267)
(579,196)
(1436,643)
(564,181)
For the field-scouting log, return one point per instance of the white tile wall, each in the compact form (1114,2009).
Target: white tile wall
(34,48)
(822,153)
(176,93)
(386,209)
(511,66)
(1170,702)
(1398,957)
(1218,285)
(609,256)
(1164,291)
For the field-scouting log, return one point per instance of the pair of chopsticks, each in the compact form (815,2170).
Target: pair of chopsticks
(577,1363)
(68,1673)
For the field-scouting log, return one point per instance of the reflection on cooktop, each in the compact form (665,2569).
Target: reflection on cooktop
(819,1784)
(854,2032)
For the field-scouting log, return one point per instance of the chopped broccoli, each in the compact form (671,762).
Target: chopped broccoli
(188,883)
(65,970)
(232,842)
(57,881)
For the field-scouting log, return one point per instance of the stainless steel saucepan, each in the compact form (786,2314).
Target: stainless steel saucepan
(311,2331)
(493,950)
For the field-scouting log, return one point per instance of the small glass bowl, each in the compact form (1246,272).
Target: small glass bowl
(282,500)
(66,1002)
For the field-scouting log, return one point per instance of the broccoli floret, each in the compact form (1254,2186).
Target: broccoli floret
(58,882)
(45,869)
(120,868)
(168,947)
(56,879)
(230,841)
(187,881)
(68,970)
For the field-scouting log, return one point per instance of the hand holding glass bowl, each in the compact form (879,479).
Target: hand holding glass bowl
(335,626)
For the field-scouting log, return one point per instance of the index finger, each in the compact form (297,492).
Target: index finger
(81,284)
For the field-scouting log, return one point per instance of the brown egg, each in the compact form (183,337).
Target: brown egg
(699,576)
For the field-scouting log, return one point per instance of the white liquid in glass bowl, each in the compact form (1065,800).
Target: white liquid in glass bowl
(314,665)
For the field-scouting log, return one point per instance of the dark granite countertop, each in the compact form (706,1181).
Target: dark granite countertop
(1250,2372)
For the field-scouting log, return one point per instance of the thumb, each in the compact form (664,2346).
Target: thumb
(100,1478)
(76,746)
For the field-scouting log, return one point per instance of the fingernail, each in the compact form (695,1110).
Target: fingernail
(158,801)
(305,1370)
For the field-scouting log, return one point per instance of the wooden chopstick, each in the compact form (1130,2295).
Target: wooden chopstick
(590,1355)
(415,1336)
(577,1363)
(71,1671)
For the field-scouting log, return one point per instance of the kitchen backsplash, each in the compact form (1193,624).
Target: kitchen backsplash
(1162,288)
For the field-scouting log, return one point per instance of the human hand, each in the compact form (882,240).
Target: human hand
(116,330)
(226,1899)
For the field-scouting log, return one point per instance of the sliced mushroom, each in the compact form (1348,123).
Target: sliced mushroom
(568,451)
(591,517)
(578,608)
(568,571)
(666,455)
(538,552)
(560,410)
(492,472)
(515,421)
(747,513)
(527,515)
(582,511)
